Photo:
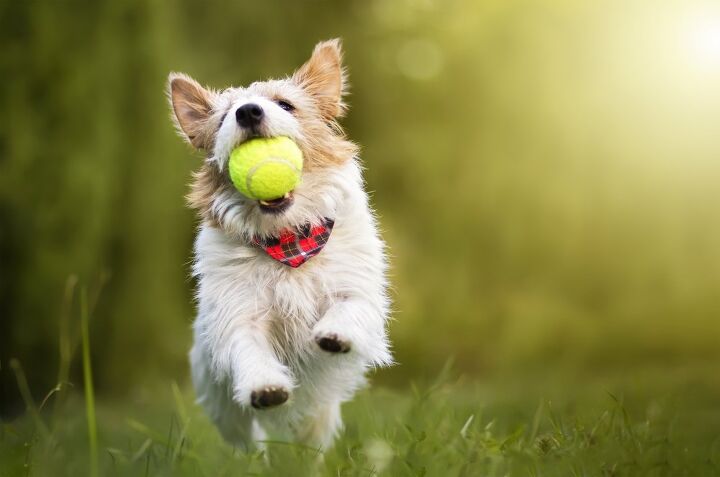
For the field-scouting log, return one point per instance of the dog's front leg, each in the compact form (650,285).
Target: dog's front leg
(354,325)
(259,379)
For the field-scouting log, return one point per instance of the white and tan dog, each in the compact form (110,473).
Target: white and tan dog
(278,348)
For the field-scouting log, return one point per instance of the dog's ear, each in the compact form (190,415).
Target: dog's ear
(324,78)
(192,106)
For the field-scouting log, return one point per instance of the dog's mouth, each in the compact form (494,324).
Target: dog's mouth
(276,206)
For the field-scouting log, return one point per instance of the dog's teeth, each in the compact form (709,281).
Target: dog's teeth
(287,195)
(264,202)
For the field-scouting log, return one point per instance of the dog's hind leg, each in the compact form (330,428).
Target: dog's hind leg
(234,423)
(320,429)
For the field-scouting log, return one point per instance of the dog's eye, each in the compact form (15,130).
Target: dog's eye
(285,105)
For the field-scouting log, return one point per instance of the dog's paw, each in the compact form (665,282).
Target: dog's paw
(332,343)
(263,389)
(269,396)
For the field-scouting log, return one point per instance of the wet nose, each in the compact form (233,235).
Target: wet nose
(249,115)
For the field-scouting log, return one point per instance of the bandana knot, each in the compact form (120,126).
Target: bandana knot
(295,247)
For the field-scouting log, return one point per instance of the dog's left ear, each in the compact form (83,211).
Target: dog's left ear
(324,78)
(191,105)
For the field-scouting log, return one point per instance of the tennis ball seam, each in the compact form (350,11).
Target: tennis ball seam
(262,167)
(264,162)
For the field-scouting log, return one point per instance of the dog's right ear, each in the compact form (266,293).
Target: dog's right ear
(324,77)
(192,106)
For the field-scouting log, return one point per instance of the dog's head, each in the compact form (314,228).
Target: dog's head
(304,107)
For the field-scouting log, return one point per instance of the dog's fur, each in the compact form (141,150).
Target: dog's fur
(263,328)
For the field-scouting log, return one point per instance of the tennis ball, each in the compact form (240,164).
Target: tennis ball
(266,168)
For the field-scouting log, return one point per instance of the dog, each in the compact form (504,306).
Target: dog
(292,294)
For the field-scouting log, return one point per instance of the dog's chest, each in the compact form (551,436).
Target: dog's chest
(296,299)
(298,294)
(251,285)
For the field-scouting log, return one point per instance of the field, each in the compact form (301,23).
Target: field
(654,422)
(545,174)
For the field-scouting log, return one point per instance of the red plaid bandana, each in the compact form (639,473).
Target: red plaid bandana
(294,248)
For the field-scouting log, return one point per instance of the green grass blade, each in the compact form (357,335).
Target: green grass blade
(64,339)
(27,397)
(87,378)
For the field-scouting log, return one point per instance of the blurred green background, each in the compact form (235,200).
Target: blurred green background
(546,175)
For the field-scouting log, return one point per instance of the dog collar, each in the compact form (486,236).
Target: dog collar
(295,247)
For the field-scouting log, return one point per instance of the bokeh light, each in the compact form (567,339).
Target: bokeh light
(702,37)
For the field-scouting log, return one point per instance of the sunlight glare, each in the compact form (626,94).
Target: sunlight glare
(703,39)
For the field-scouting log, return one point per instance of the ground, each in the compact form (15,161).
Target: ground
(640,422)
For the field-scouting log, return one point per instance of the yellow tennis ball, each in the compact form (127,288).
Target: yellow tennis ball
(266,168)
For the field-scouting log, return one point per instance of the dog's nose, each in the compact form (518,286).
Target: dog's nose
(249,115)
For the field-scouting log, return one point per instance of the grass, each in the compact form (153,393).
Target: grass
(643,421)
(646,422)
(87,379)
